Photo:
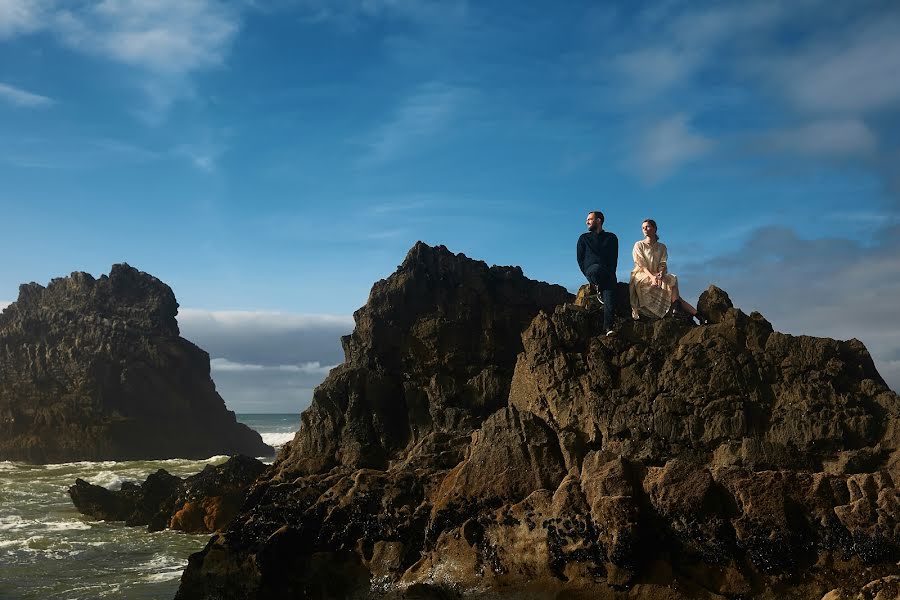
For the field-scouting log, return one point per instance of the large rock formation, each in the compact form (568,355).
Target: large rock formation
(94,369)
(669,461)
(201,503)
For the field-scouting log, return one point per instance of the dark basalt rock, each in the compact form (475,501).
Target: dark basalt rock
(432,354)
(94,369)
(202,503)
(668,461)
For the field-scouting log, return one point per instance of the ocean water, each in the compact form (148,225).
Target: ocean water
(50,551)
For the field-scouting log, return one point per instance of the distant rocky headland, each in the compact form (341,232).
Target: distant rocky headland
(484,438)
(95,369)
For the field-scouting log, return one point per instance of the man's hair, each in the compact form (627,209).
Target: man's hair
(598,215)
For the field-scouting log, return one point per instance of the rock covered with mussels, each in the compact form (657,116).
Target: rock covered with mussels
(485,438)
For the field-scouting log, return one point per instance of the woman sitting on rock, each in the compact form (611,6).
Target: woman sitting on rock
(652,289)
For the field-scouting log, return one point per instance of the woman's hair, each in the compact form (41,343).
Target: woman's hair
(652,222)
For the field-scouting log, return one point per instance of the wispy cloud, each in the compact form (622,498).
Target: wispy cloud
(850,74)
(3,305)
(825,71)
(414,204)
(19,16)
(164,42)
(19,97)
(202,156)
(838,138)
(421,118)
(168,37)
(666,47)
(79,153)
(309,368)
(355,14)
(666,145)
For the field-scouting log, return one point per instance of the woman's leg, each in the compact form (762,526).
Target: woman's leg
(676,296)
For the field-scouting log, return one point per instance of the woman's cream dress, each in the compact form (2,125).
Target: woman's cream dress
(646,298)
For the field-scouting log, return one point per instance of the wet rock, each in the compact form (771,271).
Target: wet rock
(201,503)
(668,461)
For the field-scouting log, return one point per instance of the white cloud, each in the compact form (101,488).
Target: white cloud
(839,138)
(169,37)
(652,70)
(419,119)
(264,320)
(665,146)
(309,368)
(19,16)
(3,305)
(266,338)
(19,97)
(355,14)
(667,48)
(163,41)
(854,75)
(202,156)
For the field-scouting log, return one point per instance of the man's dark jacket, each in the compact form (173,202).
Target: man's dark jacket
(602,249)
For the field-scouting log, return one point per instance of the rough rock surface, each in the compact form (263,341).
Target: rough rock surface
(202,503)
(668,461)
(95,369)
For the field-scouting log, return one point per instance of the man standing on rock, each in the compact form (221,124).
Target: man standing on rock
(598,255)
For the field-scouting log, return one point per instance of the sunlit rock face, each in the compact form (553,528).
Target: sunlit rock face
(95,369)
(485,437)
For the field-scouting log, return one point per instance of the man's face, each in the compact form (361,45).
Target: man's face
(592,222)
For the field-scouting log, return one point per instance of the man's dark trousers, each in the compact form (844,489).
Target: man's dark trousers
(595,276)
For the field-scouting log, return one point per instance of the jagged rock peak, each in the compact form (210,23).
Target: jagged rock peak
(432,353)
(95,369)
(435,258)
(126,294)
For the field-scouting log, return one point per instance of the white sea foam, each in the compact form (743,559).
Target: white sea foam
(12,523)
(66,526)
(165,575)
(188,461)
(103,464)
(278,439)
(108,479)
(160,561)
(6,465)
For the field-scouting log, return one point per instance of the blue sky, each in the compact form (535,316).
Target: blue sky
(271,160)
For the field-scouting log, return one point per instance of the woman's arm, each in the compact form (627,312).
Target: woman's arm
(641,265)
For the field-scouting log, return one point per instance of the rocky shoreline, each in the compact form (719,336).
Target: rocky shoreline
(202,503)
(483,438)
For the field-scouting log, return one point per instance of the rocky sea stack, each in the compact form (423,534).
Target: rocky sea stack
(485,439)
(95,369)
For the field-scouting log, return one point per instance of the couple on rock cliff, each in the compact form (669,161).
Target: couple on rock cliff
(653,291)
